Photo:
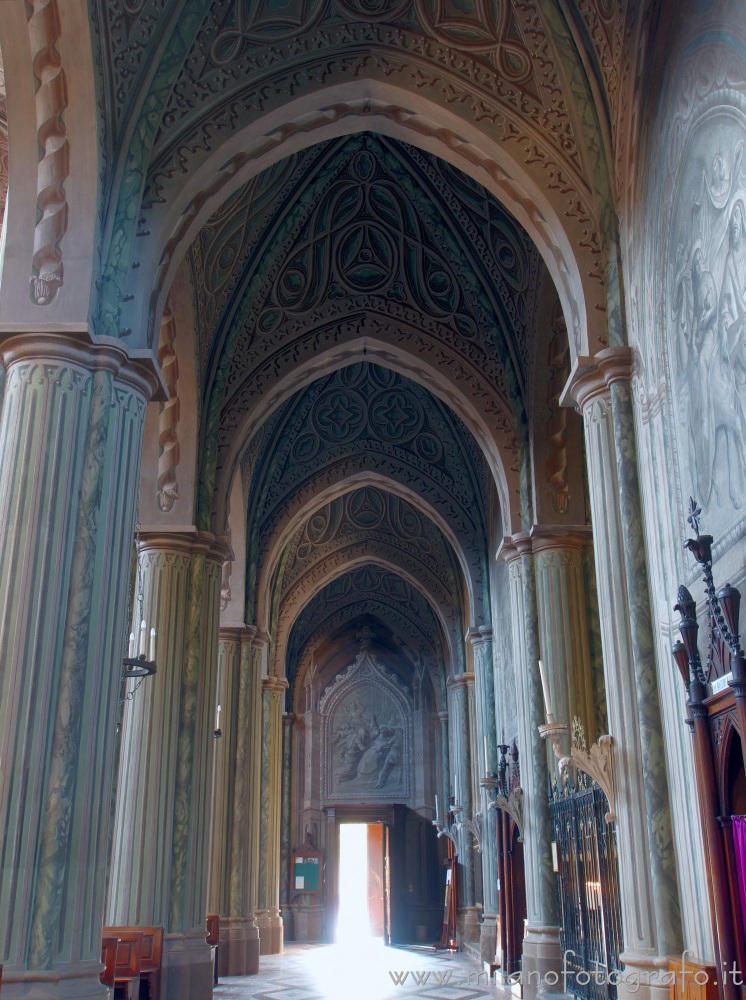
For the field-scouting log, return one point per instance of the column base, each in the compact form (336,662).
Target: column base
(488,938)
(542,966)
(66,982)
(238,954)
(187,967)
(646,977)
(469,919)
(271,936)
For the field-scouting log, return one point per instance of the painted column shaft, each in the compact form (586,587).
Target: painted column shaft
(235,823)
(563,625)
(70,439)
(541,945)
(481,640)
(649,891)
(160,852)
(461,765)
(268,916)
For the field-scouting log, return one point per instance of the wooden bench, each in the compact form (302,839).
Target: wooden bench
(151,958)
(109,961)
(127,965)
(213,939)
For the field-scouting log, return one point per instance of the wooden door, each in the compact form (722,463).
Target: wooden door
(386,829)
(376,876)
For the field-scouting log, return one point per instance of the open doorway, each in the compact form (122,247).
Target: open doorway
(363,895)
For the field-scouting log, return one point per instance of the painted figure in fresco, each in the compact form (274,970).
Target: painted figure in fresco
(733,300)
(389,753)
(351,748)
(713,394)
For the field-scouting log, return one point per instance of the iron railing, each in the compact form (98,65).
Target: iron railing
(588,887)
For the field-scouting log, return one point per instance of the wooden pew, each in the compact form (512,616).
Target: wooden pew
(151,958)
(109,961)
(127,968)
(213,939)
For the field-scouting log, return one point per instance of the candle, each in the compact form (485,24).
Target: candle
(486,758)
(151,654)
(545,690)
(141,646)
(131,651)
(217,717)
(455,788)
(436,807)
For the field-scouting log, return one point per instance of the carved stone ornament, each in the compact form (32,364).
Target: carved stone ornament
(597,762)
(513,806)
(54,160)
(474,827)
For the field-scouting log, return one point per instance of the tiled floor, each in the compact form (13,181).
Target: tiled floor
(367,972)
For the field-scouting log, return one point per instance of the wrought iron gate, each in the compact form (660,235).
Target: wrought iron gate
(588,885)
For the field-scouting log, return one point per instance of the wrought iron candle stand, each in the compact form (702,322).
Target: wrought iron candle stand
(504,788)
(723,644)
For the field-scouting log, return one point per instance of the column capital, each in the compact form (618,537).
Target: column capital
(78,346)
(512,547)
(188,541)
(257,636)
(555,536)
(478,635)
(461,680)
(592,377)
(273,683)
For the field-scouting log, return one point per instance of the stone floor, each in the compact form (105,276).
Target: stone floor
(364,972)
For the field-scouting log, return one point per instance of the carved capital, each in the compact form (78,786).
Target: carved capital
(592,377)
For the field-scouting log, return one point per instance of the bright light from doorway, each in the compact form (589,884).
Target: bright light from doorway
(353,922)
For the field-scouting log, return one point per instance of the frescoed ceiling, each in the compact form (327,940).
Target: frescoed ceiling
(364,239)
(351,188)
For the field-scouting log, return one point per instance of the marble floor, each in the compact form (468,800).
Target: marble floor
(367,971)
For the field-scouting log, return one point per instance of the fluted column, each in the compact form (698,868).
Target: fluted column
(485,762)
(71,424)
(462,777)
(541,944)
(563,624)
(649,889)
(160,852)
(289,725)
(235,812)
(269,920)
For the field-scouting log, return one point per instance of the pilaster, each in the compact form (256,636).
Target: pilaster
(71,424)
(649,890)
(160,855)
(235,813)
(269,919)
